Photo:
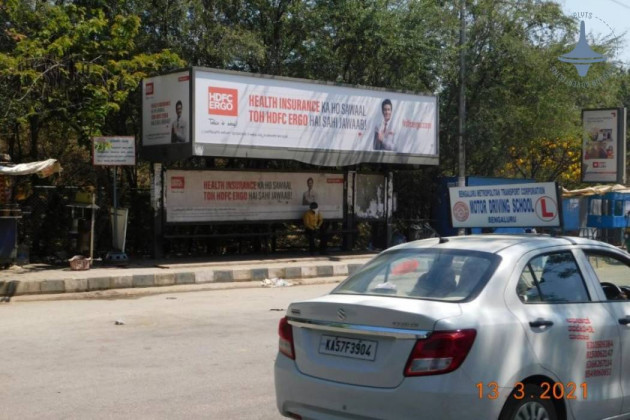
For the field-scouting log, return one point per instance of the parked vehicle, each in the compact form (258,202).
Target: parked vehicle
(467,327)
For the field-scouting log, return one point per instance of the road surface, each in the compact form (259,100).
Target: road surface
(198,355)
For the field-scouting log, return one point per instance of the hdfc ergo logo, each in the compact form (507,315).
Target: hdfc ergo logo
(178,182)
(222,101)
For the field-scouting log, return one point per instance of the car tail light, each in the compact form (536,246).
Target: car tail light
(441,352)
(285,344)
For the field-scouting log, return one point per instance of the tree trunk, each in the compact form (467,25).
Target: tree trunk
(33,121)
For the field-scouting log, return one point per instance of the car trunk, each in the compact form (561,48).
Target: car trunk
(361,340)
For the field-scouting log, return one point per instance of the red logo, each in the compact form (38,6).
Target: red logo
(461,211)
(149,88)
(178,182)
(546,209)
(222,101)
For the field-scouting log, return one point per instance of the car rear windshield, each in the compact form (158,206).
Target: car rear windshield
(450,275)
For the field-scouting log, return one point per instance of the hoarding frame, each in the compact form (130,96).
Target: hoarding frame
(168,152)
(620,142)
(321,157)
(164,198)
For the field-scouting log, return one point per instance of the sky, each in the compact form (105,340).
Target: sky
(608,15)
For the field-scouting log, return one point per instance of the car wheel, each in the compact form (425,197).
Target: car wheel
(530,407)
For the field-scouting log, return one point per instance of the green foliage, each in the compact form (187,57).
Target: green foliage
(516,98)
(67,70)
(70,70)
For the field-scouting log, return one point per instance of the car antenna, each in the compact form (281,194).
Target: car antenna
(443,240)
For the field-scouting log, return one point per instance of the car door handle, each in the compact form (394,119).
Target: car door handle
(624,321)
(540,323)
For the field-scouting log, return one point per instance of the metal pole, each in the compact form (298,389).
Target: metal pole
(462,100)
(389,207)
(93,210)
(115,233)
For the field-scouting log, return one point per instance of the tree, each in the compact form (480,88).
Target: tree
(522,120)
(69,72)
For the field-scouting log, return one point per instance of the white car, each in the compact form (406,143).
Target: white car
(468,327)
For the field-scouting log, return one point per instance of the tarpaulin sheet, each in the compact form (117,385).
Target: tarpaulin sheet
(42,168)
(595,190)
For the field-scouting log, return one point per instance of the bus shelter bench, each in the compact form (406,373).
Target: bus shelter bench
(262,237)
(268,238)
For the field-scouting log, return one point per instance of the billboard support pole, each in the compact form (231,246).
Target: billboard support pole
(621,144)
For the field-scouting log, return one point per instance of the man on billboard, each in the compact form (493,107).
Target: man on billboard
(383,132)
(309,195)
(179,127)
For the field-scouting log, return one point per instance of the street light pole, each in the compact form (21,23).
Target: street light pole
(462,100)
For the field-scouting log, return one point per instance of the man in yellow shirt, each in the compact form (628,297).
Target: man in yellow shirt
(313,224)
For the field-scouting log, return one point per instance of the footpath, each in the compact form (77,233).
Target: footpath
(44,281)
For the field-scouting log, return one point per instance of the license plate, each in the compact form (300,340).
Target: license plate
(348,347)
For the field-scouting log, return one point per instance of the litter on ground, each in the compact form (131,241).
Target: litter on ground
(275,282)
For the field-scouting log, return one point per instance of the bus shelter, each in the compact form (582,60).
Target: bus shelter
(334,131)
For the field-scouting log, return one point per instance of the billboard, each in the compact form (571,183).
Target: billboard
(246,115)
(512,205)
(114,151)
(166,109)
(604,145)
(215,196)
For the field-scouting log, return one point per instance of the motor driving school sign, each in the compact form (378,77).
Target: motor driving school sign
(509,205)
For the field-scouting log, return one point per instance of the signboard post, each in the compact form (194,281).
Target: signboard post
(510,205)
(115,151)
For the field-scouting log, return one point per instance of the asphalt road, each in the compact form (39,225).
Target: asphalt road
(195,355)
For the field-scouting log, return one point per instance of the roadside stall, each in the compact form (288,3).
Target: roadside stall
(604,212)
(10,211)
